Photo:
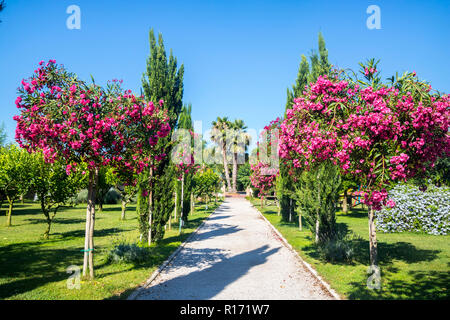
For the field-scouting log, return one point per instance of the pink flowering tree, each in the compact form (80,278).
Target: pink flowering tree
(75,123)
(378,133)
(263,178)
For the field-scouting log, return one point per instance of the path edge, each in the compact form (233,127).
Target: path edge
(306,264)
(155,273)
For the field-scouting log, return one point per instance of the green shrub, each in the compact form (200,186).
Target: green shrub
(112,197)
(82,196)
(338,249)
(125,252)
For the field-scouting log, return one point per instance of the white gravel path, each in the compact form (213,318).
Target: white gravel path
(235,255)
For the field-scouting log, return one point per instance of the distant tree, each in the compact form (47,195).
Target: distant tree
(126,186)
(239,143)
(243,176)
(16,173)
(220,128)
(2,134)
(54,187)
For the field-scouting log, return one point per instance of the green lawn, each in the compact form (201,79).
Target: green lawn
(413,266)
(32,268)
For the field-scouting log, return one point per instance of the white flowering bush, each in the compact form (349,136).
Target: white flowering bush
(415,210)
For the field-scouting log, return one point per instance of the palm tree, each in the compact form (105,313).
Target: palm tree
(239,145)
(220,128)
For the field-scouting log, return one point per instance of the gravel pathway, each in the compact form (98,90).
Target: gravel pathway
(235,255)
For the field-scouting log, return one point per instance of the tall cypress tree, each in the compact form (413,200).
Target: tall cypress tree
(306,73)
(162,80)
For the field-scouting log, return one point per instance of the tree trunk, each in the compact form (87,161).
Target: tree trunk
(91,231)
(150,207)
(192,203)
(182,197)
(124,208)
(10,208)
(344,202)
(234,173)
(225,167)
(262,202)
(176,204)
(372,238)
(90,217)
(318,208)
(290,210)
(300,226)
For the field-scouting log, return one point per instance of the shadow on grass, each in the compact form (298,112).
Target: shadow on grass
(429,285)
(33,266)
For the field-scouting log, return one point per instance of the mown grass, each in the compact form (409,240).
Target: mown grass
(412,265)
(33,268)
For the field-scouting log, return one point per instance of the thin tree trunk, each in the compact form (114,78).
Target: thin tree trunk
(318,208)
(290,210)
(91,228)
(225,167)
(181,204)
(300,226)
(90,208)
(192,203)
(124,208)
(10,208)
(372,238)
(150,207)
(176,204)
(234,173)
(344,202)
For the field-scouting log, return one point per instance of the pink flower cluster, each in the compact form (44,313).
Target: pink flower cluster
(263,177)
(78,123)
(377,135)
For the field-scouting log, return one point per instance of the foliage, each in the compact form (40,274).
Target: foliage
(162,80)
(415,210)
(220,128)
(243,176)
(206,182)
(54,187)
(16,174)
(128,252)
(77,124)
(379,135)
(306,73)
(263,178)
(317,195)
(2,135)
(338,249)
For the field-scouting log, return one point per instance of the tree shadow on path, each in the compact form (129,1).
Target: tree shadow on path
(206,283)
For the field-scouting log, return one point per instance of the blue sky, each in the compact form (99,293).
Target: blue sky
(239,56)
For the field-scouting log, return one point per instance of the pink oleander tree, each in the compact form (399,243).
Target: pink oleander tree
(378,133)
(77,123)
(263,177)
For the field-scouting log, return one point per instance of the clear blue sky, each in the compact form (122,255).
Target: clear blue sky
(239,56)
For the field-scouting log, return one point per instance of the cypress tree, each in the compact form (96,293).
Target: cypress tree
(306,73)
(162,80)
